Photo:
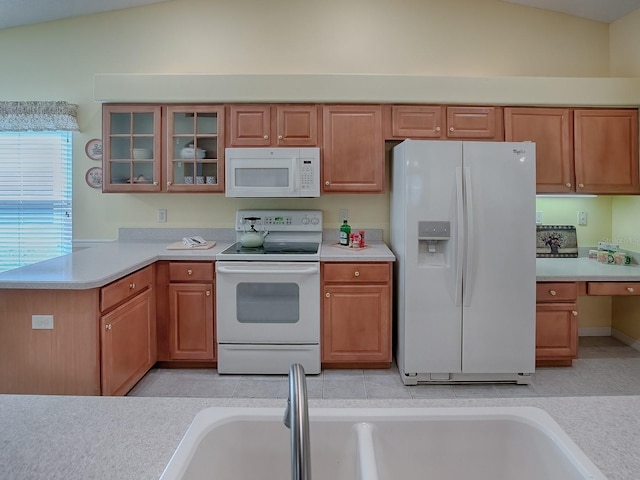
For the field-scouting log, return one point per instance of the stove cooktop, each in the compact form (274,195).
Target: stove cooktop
(275,248)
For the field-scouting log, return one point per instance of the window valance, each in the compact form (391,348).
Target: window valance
(38,116)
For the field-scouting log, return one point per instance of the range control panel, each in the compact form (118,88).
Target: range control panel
(281,220)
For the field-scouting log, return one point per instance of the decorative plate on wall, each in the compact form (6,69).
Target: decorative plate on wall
(93,177)
(93,149)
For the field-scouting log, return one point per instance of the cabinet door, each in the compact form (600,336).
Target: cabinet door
(479,123)
(556,333)
(191,321)
(356,323)
(552,131)
(606,151)
(132,153)
(250,125)
(194,153)
(417,121)
(128,341)
(353,156)
(296,125)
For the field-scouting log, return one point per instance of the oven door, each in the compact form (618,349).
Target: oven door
(268,302)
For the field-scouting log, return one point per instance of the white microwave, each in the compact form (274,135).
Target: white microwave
(272,172)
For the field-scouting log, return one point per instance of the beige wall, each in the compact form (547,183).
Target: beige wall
(623,44)
(58,60)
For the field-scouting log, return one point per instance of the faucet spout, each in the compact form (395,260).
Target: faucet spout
(296,418)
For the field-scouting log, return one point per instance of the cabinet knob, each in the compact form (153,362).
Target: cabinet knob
(266,137)
(280,137)
(552,293)
(356,273)
(327,294)
(155,183)
(630,289)
(574,313)
(168,184)
(107,326)
(189,272)
(581,185)
(132,286)
(208,293)
(327,182)
(451,129)
(568,185)
(437,129)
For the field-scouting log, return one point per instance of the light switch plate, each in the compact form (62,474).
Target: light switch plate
(538,218)
(582,218)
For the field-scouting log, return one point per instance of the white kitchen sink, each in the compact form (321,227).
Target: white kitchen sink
(480,443)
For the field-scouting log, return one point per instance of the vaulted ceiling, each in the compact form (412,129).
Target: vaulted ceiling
(24,12)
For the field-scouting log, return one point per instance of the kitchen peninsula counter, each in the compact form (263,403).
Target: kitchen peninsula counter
(70,437)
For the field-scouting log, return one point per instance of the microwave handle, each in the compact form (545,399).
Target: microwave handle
(296,174)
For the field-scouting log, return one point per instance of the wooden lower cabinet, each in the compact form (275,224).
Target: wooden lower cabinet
(356,315)
(191,311)
(128,343)
(556,323)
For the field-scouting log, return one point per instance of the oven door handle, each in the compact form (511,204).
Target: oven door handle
(308,270)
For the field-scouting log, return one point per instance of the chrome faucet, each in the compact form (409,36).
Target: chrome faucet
(296,418)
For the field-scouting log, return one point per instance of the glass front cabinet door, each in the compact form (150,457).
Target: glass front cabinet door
(194,149)
(132,154)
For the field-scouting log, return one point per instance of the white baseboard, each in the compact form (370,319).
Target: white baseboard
(624,338)
(594,332)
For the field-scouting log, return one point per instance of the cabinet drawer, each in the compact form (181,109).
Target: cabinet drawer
(190,271)
(613,288)
(356,272)
(556,291)
(126,287)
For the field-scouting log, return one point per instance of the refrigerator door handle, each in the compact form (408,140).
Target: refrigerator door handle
(470,238)
(459,255)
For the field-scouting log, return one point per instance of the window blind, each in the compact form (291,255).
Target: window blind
(35,197)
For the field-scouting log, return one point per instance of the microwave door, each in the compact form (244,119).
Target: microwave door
(262,178)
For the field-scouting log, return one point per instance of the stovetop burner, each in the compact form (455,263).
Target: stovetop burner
(275,248)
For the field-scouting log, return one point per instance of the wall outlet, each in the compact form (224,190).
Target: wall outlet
(42,322)
(343,214)
(162,215)
(538,217)
(582,218)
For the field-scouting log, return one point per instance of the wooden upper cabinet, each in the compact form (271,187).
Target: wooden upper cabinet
(552,131)
(479,123)
(273,125)
(444,122)
(353,149)
(297,125)
(132,148)
(606,151)
(416,121)
(250,125)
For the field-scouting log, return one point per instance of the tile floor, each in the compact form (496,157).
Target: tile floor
(605,367)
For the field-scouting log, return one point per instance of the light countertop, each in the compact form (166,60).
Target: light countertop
(97,266)
(584,269)
(60,437)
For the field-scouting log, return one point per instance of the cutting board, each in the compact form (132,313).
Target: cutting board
(181,246)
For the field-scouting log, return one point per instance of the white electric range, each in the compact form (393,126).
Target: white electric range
(268,297)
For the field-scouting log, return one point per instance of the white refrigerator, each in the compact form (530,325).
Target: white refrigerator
(463,232)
